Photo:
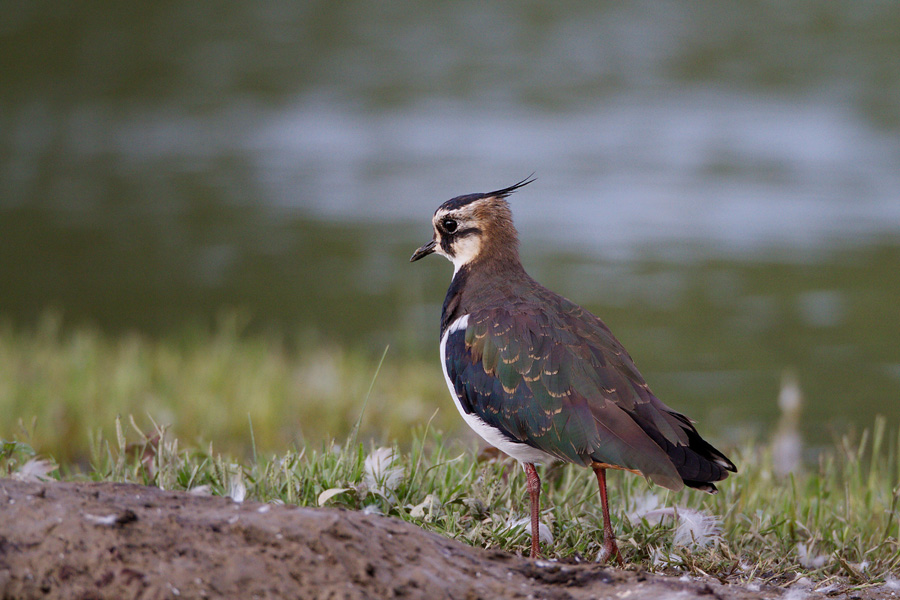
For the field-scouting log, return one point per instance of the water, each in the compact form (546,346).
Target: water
(720,183)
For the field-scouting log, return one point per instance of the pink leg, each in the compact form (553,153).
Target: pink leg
(609,538)
(534,491)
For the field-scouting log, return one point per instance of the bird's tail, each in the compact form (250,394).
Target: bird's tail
(698,463)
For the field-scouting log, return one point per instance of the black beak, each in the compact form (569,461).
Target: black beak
(423,251)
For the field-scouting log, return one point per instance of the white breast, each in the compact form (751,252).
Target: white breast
(492,435)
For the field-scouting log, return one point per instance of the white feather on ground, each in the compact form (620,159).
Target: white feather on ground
(694,528)
(381,474)
(544,533)
(808,561)
(35,470)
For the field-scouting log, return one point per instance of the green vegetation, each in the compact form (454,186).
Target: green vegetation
(835,520)
(59,386)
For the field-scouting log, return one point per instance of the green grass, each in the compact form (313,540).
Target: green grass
(837,520)
(58,385)
(844,511)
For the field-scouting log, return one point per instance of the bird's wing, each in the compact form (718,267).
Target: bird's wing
(559,381)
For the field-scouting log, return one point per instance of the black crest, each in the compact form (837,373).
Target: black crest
(460,201)
(509,190)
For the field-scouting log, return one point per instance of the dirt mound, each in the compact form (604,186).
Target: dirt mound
(91,540)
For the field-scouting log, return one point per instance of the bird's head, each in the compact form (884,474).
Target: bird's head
(475,227)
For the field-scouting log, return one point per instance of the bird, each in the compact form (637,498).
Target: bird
(544,380)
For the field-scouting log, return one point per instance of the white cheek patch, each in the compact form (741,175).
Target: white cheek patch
(465,250)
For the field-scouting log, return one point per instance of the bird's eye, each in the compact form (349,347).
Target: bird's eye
(449,225)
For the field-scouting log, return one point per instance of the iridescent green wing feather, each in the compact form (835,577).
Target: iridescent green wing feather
(557,380)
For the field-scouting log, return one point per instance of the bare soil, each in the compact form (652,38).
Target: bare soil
(102,540)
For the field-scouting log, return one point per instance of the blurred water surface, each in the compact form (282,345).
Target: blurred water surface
(721,182)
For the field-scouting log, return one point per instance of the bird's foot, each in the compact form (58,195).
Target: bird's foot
(610,551)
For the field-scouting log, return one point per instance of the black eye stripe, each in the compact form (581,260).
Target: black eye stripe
(467,231)
(449,226)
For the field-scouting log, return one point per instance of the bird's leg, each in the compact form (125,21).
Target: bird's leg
(534,491)
(610,549)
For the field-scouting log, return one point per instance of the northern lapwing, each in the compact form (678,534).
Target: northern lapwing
(541,378)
